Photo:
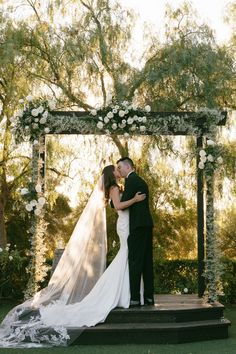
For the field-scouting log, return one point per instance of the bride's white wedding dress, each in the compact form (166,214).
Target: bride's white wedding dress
(111,290)
(80,293)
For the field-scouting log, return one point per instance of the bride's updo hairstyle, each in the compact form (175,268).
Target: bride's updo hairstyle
(109,179)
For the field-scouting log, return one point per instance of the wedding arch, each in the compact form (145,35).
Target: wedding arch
(38,118)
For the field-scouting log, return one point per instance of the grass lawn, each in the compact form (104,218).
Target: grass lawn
(223,346)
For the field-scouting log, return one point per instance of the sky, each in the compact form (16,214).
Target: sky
(211,11)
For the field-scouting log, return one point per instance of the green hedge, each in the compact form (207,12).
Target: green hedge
(177,276)
(171,276)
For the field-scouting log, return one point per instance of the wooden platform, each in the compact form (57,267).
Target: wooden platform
(173,319)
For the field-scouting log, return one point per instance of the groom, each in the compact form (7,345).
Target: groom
(140,236)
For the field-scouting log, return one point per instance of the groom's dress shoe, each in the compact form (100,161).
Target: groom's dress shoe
(148,302)
(134,303)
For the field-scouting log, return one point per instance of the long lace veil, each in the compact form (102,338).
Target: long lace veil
(81,265)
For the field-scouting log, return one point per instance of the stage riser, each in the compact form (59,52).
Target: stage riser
(155,316)
(153,336)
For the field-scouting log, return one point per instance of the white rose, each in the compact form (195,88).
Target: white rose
(7,248)
(121,113)
(142,128)
(185,290)
(42,200)
(203,158)
(43,120)
(219,159)
(51,104)
(21,100)
(114,126)
(210,158)
(125,103)
(45,114)
(121,125)
(28,207)
(40,109)
(29,98)
(134,107)
(116,107)
(47,130)
(144,119)
(24,191)
(201,165)
(37,211)
(135,118)
(36,120)
(133,128)
(126,135)
(106,120)
(147,108)
(210,142)
(130,120)
(114,110)
(100,125)
(140,119)
(202,153)
(35,125)
(34,112)
(110,115)
(38,188)
(10,258)
(35,142)
(123,121)
(33,202)
(93,112)
(39,206)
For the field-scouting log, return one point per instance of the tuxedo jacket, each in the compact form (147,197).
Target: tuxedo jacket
(140,215)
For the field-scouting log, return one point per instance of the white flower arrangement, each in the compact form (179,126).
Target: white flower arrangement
(34,202)
(31,121)
(210,156)
(124,117)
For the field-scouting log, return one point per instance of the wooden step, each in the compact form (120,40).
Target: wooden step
(152,333)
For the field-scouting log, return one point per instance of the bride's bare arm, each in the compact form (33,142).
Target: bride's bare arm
(115,197)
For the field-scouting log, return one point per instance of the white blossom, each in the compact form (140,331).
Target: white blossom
(147,108)
(36,120)
(202,153)
(110,115)
(114,126)
(130,120)
(51,104)
(93,112)
(106,120)
(35,142)
(203,159)
(210,142)
(126,135)
(43,120)
(201,165)
(34,112)
(210,158)
(42,200)
(134,107)
(7,248)
(29,207)
(19,113)
(21,100)
(100,125)
(45,114)
(37,211)
(35,125)
(40,109)
(142,128)
(121,113)
(38,188)
(24,191)
(1,249)
(133,128)
(185,290)
(47,130)
(100,118)
(114,110)
(144,119)
(219,159)
(33,202)
(10,258)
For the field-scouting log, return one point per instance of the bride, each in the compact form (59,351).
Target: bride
(80,293)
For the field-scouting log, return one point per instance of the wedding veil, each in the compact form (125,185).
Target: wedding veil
(81,265)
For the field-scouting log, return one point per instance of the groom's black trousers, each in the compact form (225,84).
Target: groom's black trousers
(141,262)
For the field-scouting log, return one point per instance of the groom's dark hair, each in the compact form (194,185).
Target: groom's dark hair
(127,160)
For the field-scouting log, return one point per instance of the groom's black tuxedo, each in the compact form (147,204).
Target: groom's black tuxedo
(140,238)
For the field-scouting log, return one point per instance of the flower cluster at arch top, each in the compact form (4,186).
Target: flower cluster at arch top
(125,117)
(31,120)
